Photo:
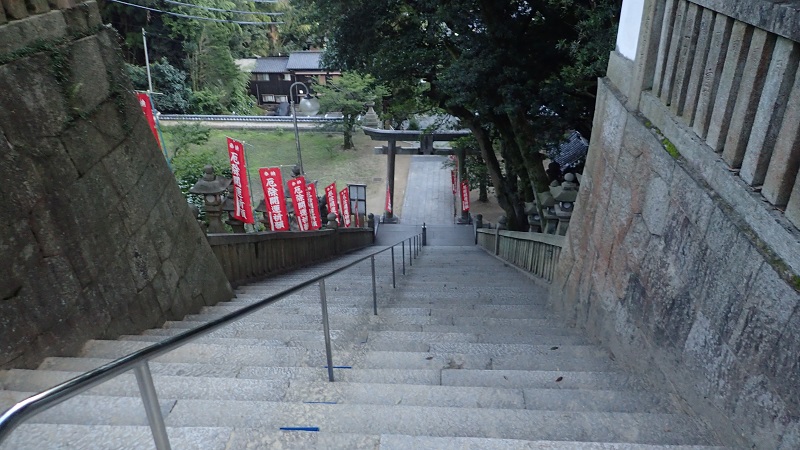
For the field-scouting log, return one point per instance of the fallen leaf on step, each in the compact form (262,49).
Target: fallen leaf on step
(559,379)
(429,358)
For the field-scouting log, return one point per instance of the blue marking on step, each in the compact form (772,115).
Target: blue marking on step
(299,428)
(340,367)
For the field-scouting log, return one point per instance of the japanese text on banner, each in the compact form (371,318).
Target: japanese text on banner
(242,209)
(330,199)
(297,189)
(274,198)
(464,195)
(344,197)
(313,207)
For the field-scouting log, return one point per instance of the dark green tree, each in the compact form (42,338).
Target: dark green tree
(172,94)
(516,73)
(349,94)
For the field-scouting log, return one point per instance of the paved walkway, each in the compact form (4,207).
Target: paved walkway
(428,200)
(429,195)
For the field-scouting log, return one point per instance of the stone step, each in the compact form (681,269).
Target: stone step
(106,437)
(167,386)
(383,317)
(472,397)
(541,337)
(110,437)
(514,379)
(646,428)
(212,388)
(444,355)
(486,311)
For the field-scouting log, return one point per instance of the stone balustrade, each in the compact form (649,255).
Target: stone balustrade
(729,71)
(536,253)
(252,256)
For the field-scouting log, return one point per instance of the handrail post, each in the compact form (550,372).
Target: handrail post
(374,288)
(394,284)
(150,400)
(404,256)
(410,253)
(326,328)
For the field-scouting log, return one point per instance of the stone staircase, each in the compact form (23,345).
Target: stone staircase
(463,355)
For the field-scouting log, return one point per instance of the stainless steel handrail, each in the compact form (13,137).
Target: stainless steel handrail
(138,360)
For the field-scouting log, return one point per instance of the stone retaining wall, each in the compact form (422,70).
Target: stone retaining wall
(674,259)
(96,240)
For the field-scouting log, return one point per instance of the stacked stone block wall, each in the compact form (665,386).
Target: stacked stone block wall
(95,238)
(677,257)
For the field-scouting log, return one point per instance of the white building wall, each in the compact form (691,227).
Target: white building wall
(629,22)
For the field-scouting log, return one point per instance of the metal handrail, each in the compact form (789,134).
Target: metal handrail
(138,360)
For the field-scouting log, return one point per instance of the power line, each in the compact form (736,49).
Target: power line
(207,8)
(187,16)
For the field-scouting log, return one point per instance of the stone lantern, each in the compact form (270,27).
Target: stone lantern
(549,211)
(262,208)
(564,197)
(229,206)
(371,117)
(211,187)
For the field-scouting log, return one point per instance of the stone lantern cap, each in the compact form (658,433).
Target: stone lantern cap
(210,183)
(262,207)
(564,194)
(547,199)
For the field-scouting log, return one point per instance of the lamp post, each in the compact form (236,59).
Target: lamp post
(309,106)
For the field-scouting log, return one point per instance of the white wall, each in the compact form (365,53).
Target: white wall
(629,22)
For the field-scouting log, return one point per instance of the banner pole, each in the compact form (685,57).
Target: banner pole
(250,182)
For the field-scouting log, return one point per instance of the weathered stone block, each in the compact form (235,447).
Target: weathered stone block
(89,140)
(87,86)
(729,82)
(37,6)
(43,100)
(771,107)
(656,205)
(3,21)
(785,162)
(752,84)
(15,9)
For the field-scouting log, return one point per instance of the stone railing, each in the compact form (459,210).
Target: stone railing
(536,253)
(732,77)
(251,256)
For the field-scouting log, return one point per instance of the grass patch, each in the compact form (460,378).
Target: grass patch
(323,157)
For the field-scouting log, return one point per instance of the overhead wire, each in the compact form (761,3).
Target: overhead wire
(208,8)
(188,16)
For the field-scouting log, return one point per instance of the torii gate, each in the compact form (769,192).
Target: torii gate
(426,147)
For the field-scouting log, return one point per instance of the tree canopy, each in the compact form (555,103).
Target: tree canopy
(519,74)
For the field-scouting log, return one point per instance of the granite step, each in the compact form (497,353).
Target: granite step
(106,437)
(645,428)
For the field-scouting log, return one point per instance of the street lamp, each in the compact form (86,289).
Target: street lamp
(309,106)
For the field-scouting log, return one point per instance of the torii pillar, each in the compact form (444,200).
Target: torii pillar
(426,141)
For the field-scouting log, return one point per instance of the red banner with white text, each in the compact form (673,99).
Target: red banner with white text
(147,109)
(274,198)
(297,189)
(344,198)
(330,199)
(388,206)
(464,195)
(314,220)
(242,209)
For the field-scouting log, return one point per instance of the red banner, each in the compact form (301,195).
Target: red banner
(344,198)
(464,195)
(297,189)
(453,181)
(274,198)
(241,191)
(330,199)
(147,109)
(388,207)
(313,207)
